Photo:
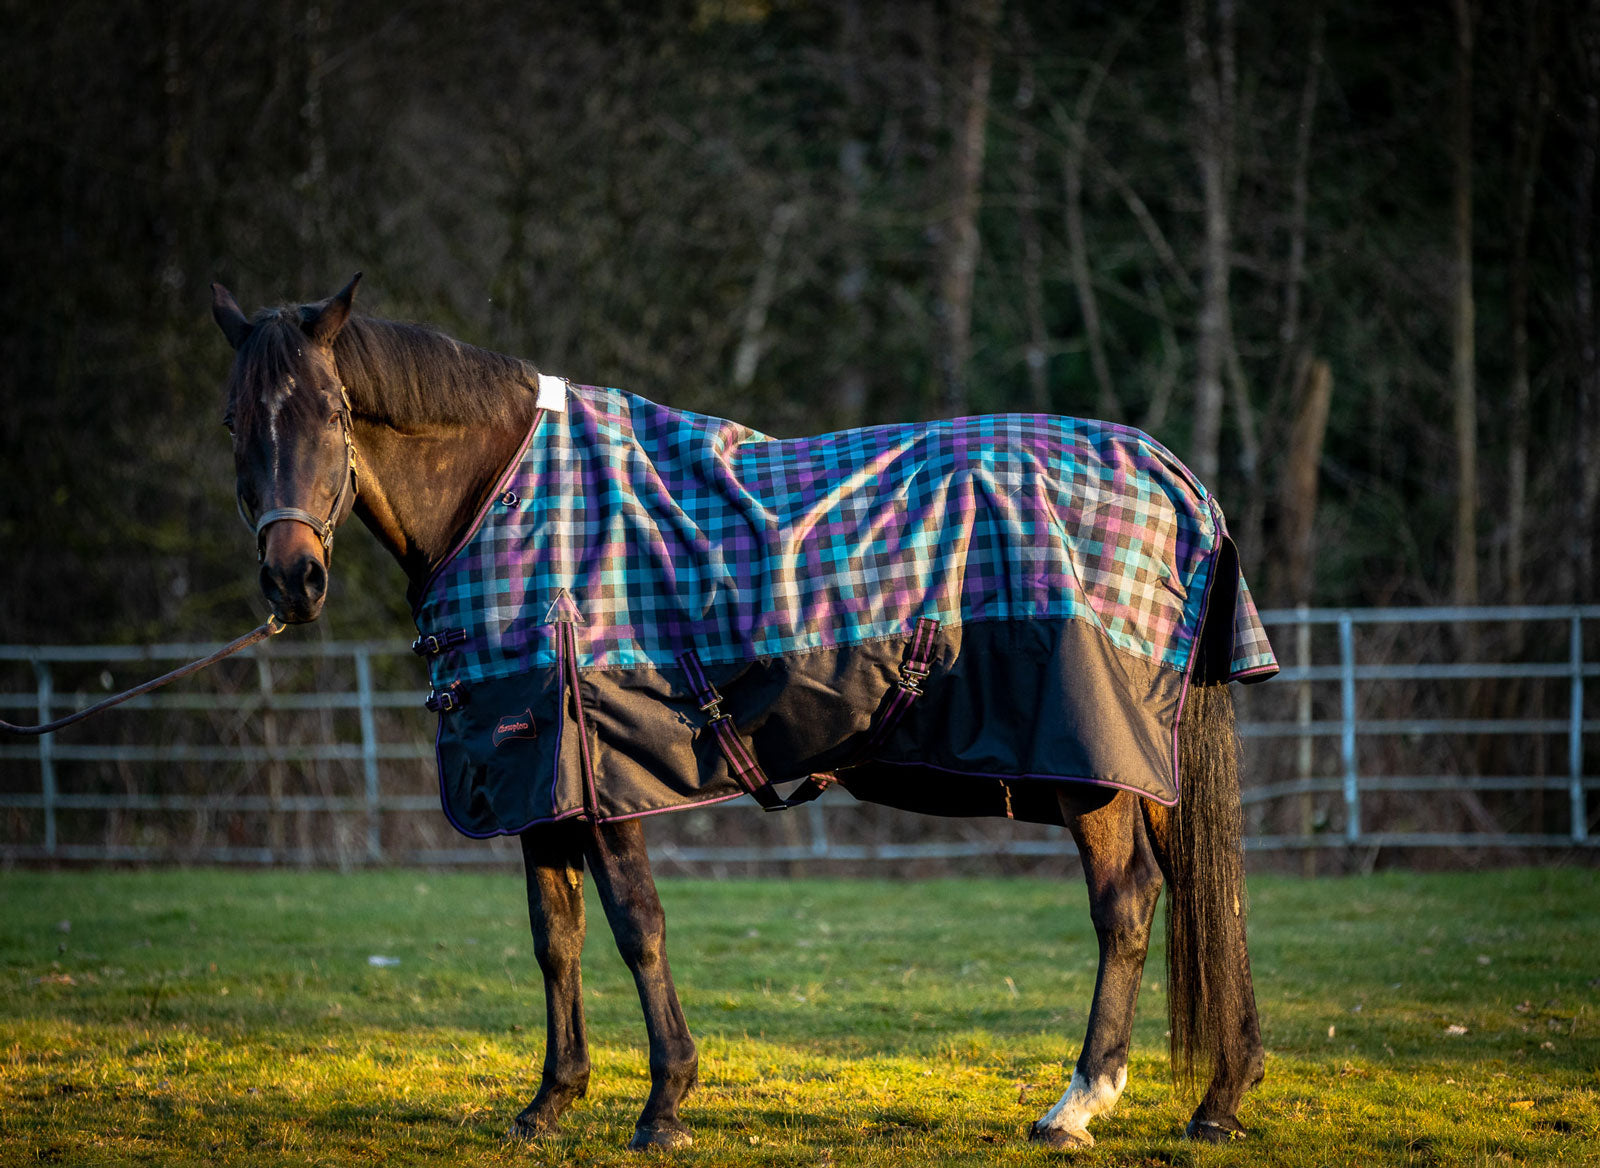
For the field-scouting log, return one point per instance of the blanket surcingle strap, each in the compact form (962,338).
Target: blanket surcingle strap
(742,764)
(660,610)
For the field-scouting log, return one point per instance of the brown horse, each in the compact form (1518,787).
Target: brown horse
(333,415)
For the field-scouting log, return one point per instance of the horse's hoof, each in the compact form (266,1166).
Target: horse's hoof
(665,1136)
(524,1129)
(1215,1131)
(1060,1138)
(533,1124)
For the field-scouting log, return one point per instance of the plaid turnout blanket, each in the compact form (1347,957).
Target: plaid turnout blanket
(1053,556)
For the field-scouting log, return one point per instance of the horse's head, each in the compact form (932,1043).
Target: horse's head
(289,415)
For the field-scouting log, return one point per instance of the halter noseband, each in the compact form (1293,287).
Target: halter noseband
(349,487)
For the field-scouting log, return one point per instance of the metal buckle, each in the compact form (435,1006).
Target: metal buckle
(912,677)
(442,701)
(432,644)
(713,709)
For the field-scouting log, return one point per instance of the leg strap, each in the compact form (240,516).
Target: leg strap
(742,765)
(914,671)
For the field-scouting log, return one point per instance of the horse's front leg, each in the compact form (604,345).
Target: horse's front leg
(552,855)
(1124,881)
(621,869)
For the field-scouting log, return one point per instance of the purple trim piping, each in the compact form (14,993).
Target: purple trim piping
(1253,670)
(591,801)
(1044,778)
(578,811)
(471,530)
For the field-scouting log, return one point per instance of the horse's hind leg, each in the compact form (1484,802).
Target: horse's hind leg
(621,868)
(1124,881)
(1215,974)
(552,855)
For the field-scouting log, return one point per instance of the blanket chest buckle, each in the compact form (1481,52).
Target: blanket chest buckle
(446,698)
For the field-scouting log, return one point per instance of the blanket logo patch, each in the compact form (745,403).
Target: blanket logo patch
(514,726)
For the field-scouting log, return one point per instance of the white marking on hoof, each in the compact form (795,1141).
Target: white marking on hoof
(1067,1123)
(1059,1138)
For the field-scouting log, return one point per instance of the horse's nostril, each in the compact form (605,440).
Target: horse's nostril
(295,593)
(315,580)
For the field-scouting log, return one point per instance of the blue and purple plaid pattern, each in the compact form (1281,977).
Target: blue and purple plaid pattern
(658,530)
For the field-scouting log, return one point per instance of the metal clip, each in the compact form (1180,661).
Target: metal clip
(912,677)
(713,709)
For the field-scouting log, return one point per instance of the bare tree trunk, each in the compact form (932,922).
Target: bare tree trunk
(1298,508)
(1165,379)
(850,386)
(1586,465)
(958,259)
(1106,403)
(312,182)
(1300,199)
(1528,132)
(1463,387)
(1212,85)
(752,339)
(175,165)
(1037,355)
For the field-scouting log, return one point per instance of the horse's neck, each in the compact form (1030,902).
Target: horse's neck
(419,488)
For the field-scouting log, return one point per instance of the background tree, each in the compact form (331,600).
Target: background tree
(813,213)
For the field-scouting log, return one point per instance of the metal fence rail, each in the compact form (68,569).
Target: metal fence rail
(1287,727)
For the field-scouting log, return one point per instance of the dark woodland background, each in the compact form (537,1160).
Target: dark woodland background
(1352,236)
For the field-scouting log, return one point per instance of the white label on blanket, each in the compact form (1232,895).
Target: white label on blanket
(552,392)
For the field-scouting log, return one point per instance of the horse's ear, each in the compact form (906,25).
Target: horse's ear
(322,322)
(225,311)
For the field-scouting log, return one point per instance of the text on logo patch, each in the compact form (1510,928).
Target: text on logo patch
(515,726)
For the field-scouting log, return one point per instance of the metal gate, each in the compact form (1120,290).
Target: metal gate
(1393,727)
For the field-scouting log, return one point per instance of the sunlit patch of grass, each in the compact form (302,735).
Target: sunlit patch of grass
(203,1017)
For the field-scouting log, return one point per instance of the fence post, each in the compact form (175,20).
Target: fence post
(47,754)
(1580,806)
(1302,646)
(819,831)
(1347,731)
(369,754)
(277,837)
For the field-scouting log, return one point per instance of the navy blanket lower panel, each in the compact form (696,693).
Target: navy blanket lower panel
(1026,701)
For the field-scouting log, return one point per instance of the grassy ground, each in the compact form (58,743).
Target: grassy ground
(204,1017)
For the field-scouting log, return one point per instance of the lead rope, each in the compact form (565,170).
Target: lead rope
(261,632)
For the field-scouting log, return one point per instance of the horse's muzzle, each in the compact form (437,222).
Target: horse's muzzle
(295,589)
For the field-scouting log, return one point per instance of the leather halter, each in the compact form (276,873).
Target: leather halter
(349,487)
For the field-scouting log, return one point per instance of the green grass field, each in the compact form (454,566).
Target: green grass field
(206,1017)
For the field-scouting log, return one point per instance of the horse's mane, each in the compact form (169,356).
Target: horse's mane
(403,374)
(412,374)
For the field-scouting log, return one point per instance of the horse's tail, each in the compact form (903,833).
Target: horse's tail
(1209,994)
